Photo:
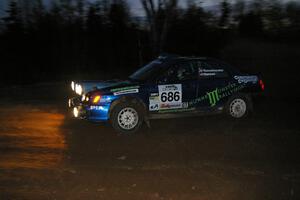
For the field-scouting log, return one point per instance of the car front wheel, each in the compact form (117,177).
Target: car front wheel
(126,118)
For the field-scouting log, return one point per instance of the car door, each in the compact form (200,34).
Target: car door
(175,88)
(212,78)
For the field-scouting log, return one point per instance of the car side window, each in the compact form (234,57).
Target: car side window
(211,69)
(182,71)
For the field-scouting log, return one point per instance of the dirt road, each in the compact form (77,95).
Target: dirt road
(45,154)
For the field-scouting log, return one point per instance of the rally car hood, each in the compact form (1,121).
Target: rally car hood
(88,86)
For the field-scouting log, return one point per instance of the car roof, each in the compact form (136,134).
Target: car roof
(169,57)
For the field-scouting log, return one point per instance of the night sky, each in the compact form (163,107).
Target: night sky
(135,5)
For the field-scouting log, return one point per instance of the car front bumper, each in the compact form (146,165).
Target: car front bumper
(88,112)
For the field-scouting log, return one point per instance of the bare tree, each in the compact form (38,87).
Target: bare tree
(13,21)
(159,14)
(225,14)
(239,9)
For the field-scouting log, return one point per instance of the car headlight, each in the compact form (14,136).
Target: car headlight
(75,112)
(73,85)
(85,98)
(78,89)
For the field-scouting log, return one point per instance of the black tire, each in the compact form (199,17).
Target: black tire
(239,106)
(132,110)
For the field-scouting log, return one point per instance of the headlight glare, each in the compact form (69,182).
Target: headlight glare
(78,89)
(73,85)
(75,112)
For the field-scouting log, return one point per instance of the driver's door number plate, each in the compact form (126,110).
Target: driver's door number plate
(170,96)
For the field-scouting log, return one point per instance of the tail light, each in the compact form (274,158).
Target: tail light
(262,85)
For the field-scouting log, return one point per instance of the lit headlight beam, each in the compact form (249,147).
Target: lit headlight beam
(75,112)
(73,85)
(78,89)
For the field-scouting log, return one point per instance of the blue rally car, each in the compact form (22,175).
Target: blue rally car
(167,87)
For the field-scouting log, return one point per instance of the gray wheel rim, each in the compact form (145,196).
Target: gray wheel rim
(238,108)
(128,118)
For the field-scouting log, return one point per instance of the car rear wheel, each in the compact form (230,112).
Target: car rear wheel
(238,107)
(126,117)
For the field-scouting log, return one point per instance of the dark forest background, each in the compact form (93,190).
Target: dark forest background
(71,39)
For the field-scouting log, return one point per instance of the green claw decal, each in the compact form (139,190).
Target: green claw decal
(218,94)
(213,97)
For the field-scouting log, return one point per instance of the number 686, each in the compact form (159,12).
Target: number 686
(170,96)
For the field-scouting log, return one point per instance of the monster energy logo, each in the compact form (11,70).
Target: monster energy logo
(213,97)
(218,94)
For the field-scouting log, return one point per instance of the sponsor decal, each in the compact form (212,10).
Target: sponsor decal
(126,92)
(198,100)
(154,102)
(168,87)
(246,79)
(125,88)
(96,107)
(105,99)
(169,106)
(154,95)
(217,94)
(154,107)
(185,105)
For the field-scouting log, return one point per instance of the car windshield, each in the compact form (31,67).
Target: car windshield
(147,72)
